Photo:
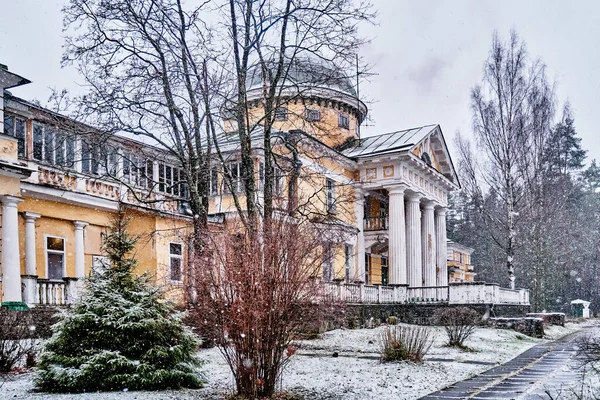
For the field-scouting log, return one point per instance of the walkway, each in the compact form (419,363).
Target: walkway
(545,368)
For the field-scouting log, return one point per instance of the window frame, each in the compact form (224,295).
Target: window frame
(21,141)
(330,196)
(62,144)
(63,253)
(313,118)
(281,113)
(385,265)
(343,121)
(348,257)
(328,262)
(180,258)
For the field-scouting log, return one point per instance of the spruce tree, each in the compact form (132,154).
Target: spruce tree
(120,333)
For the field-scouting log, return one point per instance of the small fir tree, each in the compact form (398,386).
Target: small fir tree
(120,333)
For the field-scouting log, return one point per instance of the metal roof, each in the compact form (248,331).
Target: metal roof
(388,142)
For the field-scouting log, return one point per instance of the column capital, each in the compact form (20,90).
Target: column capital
(441,211)
(80,224)
(396,189)
(31,216)
(428,205)
(10,201)
(359,193)
(414,197)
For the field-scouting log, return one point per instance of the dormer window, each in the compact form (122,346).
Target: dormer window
(281,114)
(313,115)
(344,121)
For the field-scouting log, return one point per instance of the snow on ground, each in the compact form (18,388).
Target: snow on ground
(355,374)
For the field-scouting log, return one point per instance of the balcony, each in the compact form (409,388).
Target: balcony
(375,224)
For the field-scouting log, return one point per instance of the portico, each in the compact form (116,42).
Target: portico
(405,178)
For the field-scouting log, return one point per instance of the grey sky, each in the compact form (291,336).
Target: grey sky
(427,54)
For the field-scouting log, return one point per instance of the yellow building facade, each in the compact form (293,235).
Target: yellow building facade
(459,263)
(385,196)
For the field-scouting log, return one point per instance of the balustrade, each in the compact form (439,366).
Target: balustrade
(376,223)
(52,293)
(472,293)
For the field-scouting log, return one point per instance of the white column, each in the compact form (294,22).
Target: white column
(359,213)
(30,278)
(397,237)
(442,257)
(79,249)
(11,266)
(413,241)
(428,245)
(30,257)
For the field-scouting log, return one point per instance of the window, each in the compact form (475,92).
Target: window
(235,169)
(52,146)
(344,121)
(214,181)
(137,170)
(384,271)
(175,262)
(348,251)
(277,179)
(330,194)
(281,114)
(55,257)
(15,127)
(327,262)
(313,115)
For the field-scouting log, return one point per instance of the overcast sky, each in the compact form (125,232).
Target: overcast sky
(427,56)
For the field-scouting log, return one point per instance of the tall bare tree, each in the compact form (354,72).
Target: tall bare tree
(512,115)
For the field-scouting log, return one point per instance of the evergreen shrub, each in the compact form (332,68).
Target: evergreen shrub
(120,333)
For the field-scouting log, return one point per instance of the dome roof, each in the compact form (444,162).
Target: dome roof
(308,73)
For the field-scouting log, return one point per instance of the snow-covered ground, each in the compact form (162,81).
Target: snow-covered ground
(354,374)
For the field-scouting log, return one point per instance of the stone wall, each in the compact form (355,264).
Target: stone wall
(362,315)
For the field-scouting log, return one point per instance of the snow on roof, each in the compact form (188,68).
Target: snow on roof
(389,142)
(579,301)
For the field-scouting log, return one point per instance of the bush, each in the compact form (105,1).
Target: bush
(392,320)
(16,341)
(120,334)
(459,323)
(400,343)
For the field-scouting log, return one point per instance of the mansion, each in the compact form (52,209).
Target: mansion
(58,199)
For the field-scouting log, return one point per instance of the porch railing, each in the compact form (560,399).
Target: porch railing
(376,223)
(455,293)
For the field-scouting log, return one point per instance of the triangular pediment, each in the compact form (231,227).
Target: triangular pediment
(433,151)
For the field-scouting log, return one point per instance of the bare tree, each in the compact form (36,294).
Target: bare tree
(255,297)
(512,114)
(172,76)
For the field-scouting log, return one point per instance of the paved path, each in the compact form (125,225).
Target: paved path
(542,372)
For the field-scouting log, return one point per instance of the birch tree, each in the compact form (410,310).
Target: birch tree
(512,111)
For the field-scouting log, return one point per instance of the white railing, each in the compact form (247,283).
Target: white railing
(428,294)
(52,293)
(455,293)
(371,294)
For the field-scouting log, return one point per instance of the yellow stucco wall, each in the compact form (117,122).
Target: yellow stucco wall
(154,233)
(326,130)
